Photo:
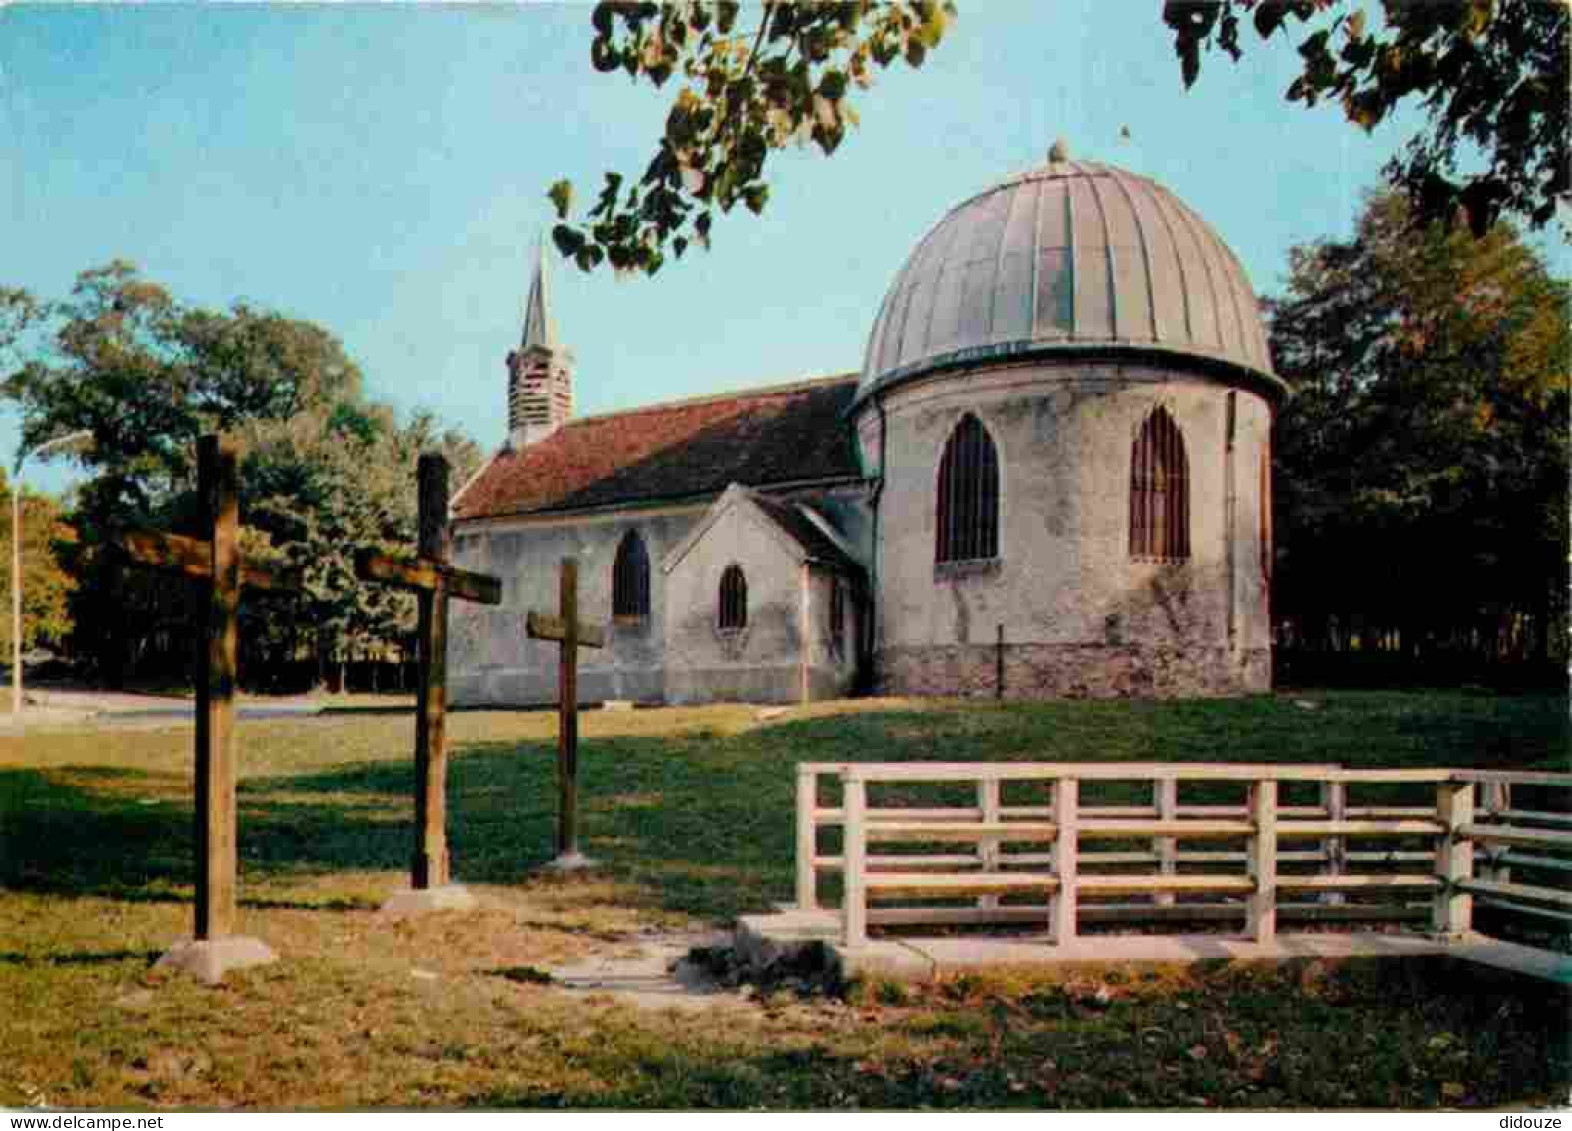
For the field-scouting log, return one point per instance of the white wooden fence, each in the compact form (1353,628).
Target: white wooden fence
(1343,846)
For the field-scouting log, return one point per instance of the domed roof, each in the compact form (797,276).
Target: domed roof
(1073,258)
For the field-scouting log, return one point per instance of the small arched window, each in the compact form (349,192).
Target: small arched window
(630,578)
(837,614)
(733,598)
(1159,491)
(967,526)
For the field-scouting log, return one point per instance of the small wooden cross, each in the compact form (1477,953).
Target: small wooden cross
(570,635)
(434,581)
(217,563)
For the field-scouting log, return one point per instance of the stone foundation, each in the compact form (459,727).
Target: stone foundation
(1071,671)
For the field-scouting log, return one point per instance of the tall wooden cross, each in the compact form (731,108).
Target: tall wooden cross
(217,563)
(434,581)
(570,635)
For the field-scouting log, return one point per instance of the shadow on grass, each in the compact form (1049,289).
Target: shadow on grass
(1367,1033)
(703,824)
(81,958)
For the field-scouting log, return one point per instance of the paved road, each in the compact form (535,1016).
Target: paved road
(53,706)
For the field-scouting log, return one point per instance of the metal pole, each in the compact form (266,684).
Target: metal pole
(16,596)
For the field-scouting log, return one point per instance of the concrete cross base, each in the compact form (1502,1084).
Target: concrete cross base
(209,959)
(417,901)
(572,862)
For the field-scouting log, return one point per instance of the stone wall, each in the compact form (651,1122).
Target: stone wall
(760,662)
(1064,588)
(1070,671)
(491,663)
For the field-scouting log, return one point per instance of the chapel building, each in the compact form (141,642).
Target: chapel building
(1051,477)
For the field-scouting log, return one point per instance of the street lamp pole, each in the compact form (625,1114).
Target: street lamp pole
(16,562)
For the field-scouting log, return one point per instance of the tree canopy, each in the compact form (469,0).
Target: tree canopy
(1491,75)
(1422,461)
(324,469)
(46,587)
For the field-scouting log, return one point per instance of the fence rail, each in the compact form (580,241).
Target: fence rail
(987,857)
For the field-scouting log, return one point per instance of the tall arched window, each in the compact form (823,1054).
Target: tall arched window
(630,578)
(967,526)
(733,598)
(1159,491)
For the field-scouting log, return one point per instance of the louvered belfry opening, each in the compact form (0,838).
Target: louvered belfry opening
(733,598)
(968,513)
(630,578)
(1159,491)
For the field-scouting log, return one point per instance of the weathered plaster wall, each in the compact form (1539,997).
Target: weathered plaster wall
(758,663)
(490,662)
(1079,616)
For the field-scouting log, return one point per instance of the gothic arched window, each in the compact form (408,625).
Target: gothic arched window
(1159,491)
(967,526)
(733,598)
(630,578)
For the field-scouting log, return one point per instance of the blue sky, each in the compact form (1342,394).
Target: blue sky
(382,170)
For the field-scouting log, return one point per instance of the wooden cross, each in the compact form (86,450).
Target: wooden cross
(216,562)
(434,581)
(570,635)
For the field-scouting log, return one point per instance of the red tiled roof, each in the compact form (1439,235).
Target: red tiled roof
(687,448)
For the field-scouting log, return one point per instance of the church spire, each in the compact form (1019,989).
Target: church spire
(540,371)
(540,332)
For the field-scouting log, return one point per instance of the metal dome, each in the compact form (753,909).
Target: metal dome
(1070,259)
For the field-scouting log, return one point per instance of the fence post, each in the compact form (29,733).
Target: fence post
(988,848)
(1261,920)
(1334,799)
(1165,798)
(1061,924)
(854,903)
(807,838)
(1453,909)
(1497,799)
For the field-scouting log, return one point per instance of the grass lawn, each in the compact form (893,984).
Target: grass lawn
(690,813)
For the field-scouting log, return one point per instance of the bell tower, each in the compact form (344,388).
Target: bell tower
(540,371)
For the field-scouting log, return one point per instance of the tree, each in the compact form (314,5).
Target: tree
(46,587)
(324,470)
(1422,461)
(1492,74)
(1489,73)
(744,95)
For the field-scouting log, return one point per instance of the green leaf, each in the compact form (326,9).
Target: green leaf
(561,194)
(755,196)
(1269,17)
(568,240)
(603,56)
(1189,62)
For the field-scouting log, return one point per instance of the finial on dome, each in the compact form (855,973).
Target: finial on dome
(1060,151)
